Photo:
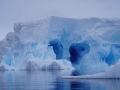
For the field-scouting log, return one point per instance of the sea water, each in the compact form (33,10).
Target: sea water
(51,80)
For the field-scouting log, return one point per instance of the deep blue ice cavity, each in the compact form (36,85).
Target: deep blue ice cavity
(77,51)
(114,55)
(110,59)
(57,48)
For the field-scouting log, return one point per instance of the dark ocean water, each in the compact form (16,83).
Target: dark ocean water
(45,80)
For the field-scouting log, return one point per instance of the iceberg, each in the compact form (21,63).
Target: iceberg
(91,45)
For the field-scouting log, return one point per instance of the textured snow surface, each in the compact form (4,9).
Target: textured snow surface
(94,42)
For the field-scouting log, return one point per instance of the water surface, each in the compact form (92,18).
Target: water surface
(51,80)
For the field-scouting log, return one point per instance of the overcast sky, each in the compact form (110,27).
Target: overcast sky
(12,11)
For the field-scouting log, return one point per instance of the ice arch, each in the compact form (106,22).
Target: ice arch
(77,51)
(57,48)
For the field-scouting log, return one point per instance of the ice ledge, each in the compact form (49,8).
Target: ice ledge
(96,76)
(111,73)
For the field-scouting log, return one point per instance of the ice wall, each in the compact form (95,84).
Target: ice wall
(59,38)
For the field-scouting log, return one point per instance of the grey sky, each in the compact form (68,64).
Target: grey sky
(12,11)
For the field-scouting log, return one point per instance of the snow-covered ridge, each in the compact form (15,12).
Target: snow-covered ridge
(92,45)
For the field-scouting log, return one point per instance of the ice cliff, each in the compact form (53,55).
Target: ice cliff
(92,45)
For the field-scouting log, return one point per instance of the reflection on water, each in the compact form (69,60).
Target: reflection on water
(94,84)
(44,80)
